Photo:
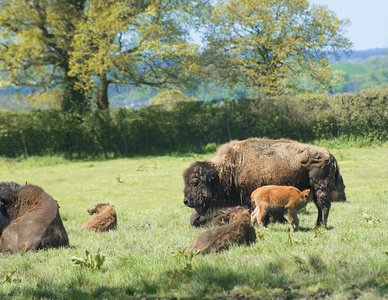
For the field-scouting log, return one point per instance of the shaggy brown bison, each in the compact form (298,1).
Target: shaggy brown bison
(239,167)
(238,231)
(213,218)
(104,218)
(279,198)
(30,219)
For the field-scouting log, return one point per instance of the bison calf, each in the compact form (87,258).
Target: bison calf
(279,198)
(238,231)
(104,218)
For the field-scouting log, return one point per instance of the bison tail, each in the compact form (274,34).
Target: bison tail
(339,195)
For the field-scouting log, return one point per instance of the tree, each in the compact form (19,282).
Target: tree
(35,48)
(136,43)
(170,98)
(74,49)
(269,45)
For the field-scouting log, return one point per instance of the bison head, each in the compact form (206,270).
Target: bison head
(202,187)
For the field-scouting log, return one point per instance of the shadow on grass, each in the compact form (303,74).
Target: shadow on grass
(51,291)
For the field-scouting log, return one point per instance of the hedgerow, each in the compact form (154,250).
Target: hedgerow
(193,126)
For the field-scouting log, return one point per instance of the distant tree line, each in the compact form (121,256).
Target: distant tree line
(194,126)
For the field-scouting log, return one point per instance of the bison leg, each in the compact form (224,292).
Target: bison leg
(261,215)
(254,215)
(291,219)
(323,203)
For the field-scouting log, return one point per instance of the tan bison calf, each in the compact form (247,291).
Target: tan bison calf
(104,218)
(238,231)
(279,198)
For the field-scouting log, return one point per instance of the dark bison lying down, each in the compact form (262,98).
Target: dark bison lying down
(29,219)
(239,231)
(239,167)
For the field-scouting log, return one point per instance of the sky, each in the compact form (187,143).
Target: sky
(369,21)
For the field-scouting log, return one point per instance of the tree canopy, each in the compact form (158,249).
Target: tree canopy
(169,98)
(71,51)
(75,49)
(35,47)
(270,44)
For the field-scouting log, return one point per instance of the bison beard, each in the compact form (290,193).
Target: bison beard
(239,167)
(29,219)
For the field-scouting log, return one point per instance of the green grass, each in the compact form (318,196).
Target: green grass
(348,260)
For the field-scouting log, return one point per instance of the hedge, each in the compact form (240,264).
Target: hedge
(191,126)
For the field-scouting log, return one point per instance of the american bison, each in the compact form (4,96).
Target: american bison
(214,218)
(238,231)
(279,198)
(104,218)
(30,219)
(239,167)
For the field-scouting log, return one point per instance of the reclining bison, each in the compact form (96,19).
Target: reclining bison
(239,231)
(103,218)
(239,167)
(214,218)
(29,219)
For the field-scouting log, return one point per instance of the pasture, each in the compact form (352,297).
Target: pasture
(349,260)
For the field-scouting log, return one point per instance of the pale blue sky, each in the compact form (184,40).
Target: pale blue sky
(369,21)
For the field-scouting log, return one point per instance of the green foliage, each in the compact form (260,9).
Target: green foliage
(358,76)
(269,44)
(89,262)
(185,261)
(359,119)
(69,54)
(170,98)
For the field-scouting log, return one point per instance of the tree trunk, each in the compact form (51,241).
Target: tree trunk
(102,93)
(74,100)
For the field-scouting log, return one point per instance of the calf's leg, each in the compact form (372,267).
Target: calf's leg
(263,210)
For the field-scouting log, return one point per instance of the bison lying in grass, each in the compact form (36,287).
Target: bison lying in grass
(214,218)
(239,167)
(238,231)
(104,218)
(279,198)
(30,219)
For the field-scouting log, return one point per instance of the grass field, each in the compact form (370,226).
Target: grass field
(347,261)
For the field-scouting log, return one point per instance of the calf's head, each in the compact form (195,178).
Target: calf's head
(202,187)
(308,194)
(97,208)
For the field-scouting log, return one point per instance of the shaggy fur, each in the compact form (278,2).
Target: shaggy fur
(214,218)
(281,198)
(239,167)
(239,231)
(33,218)
(104,218)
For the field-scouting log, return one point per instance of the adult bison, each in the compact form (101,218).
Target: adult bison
(29,219)
(239,167)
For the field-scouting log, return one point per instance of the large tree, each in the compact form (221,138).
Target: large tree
(35,49)
(72,50)
(269,45)
(141,42)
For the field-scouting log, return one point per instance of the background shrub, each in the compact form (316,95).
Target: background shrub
(193,126)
